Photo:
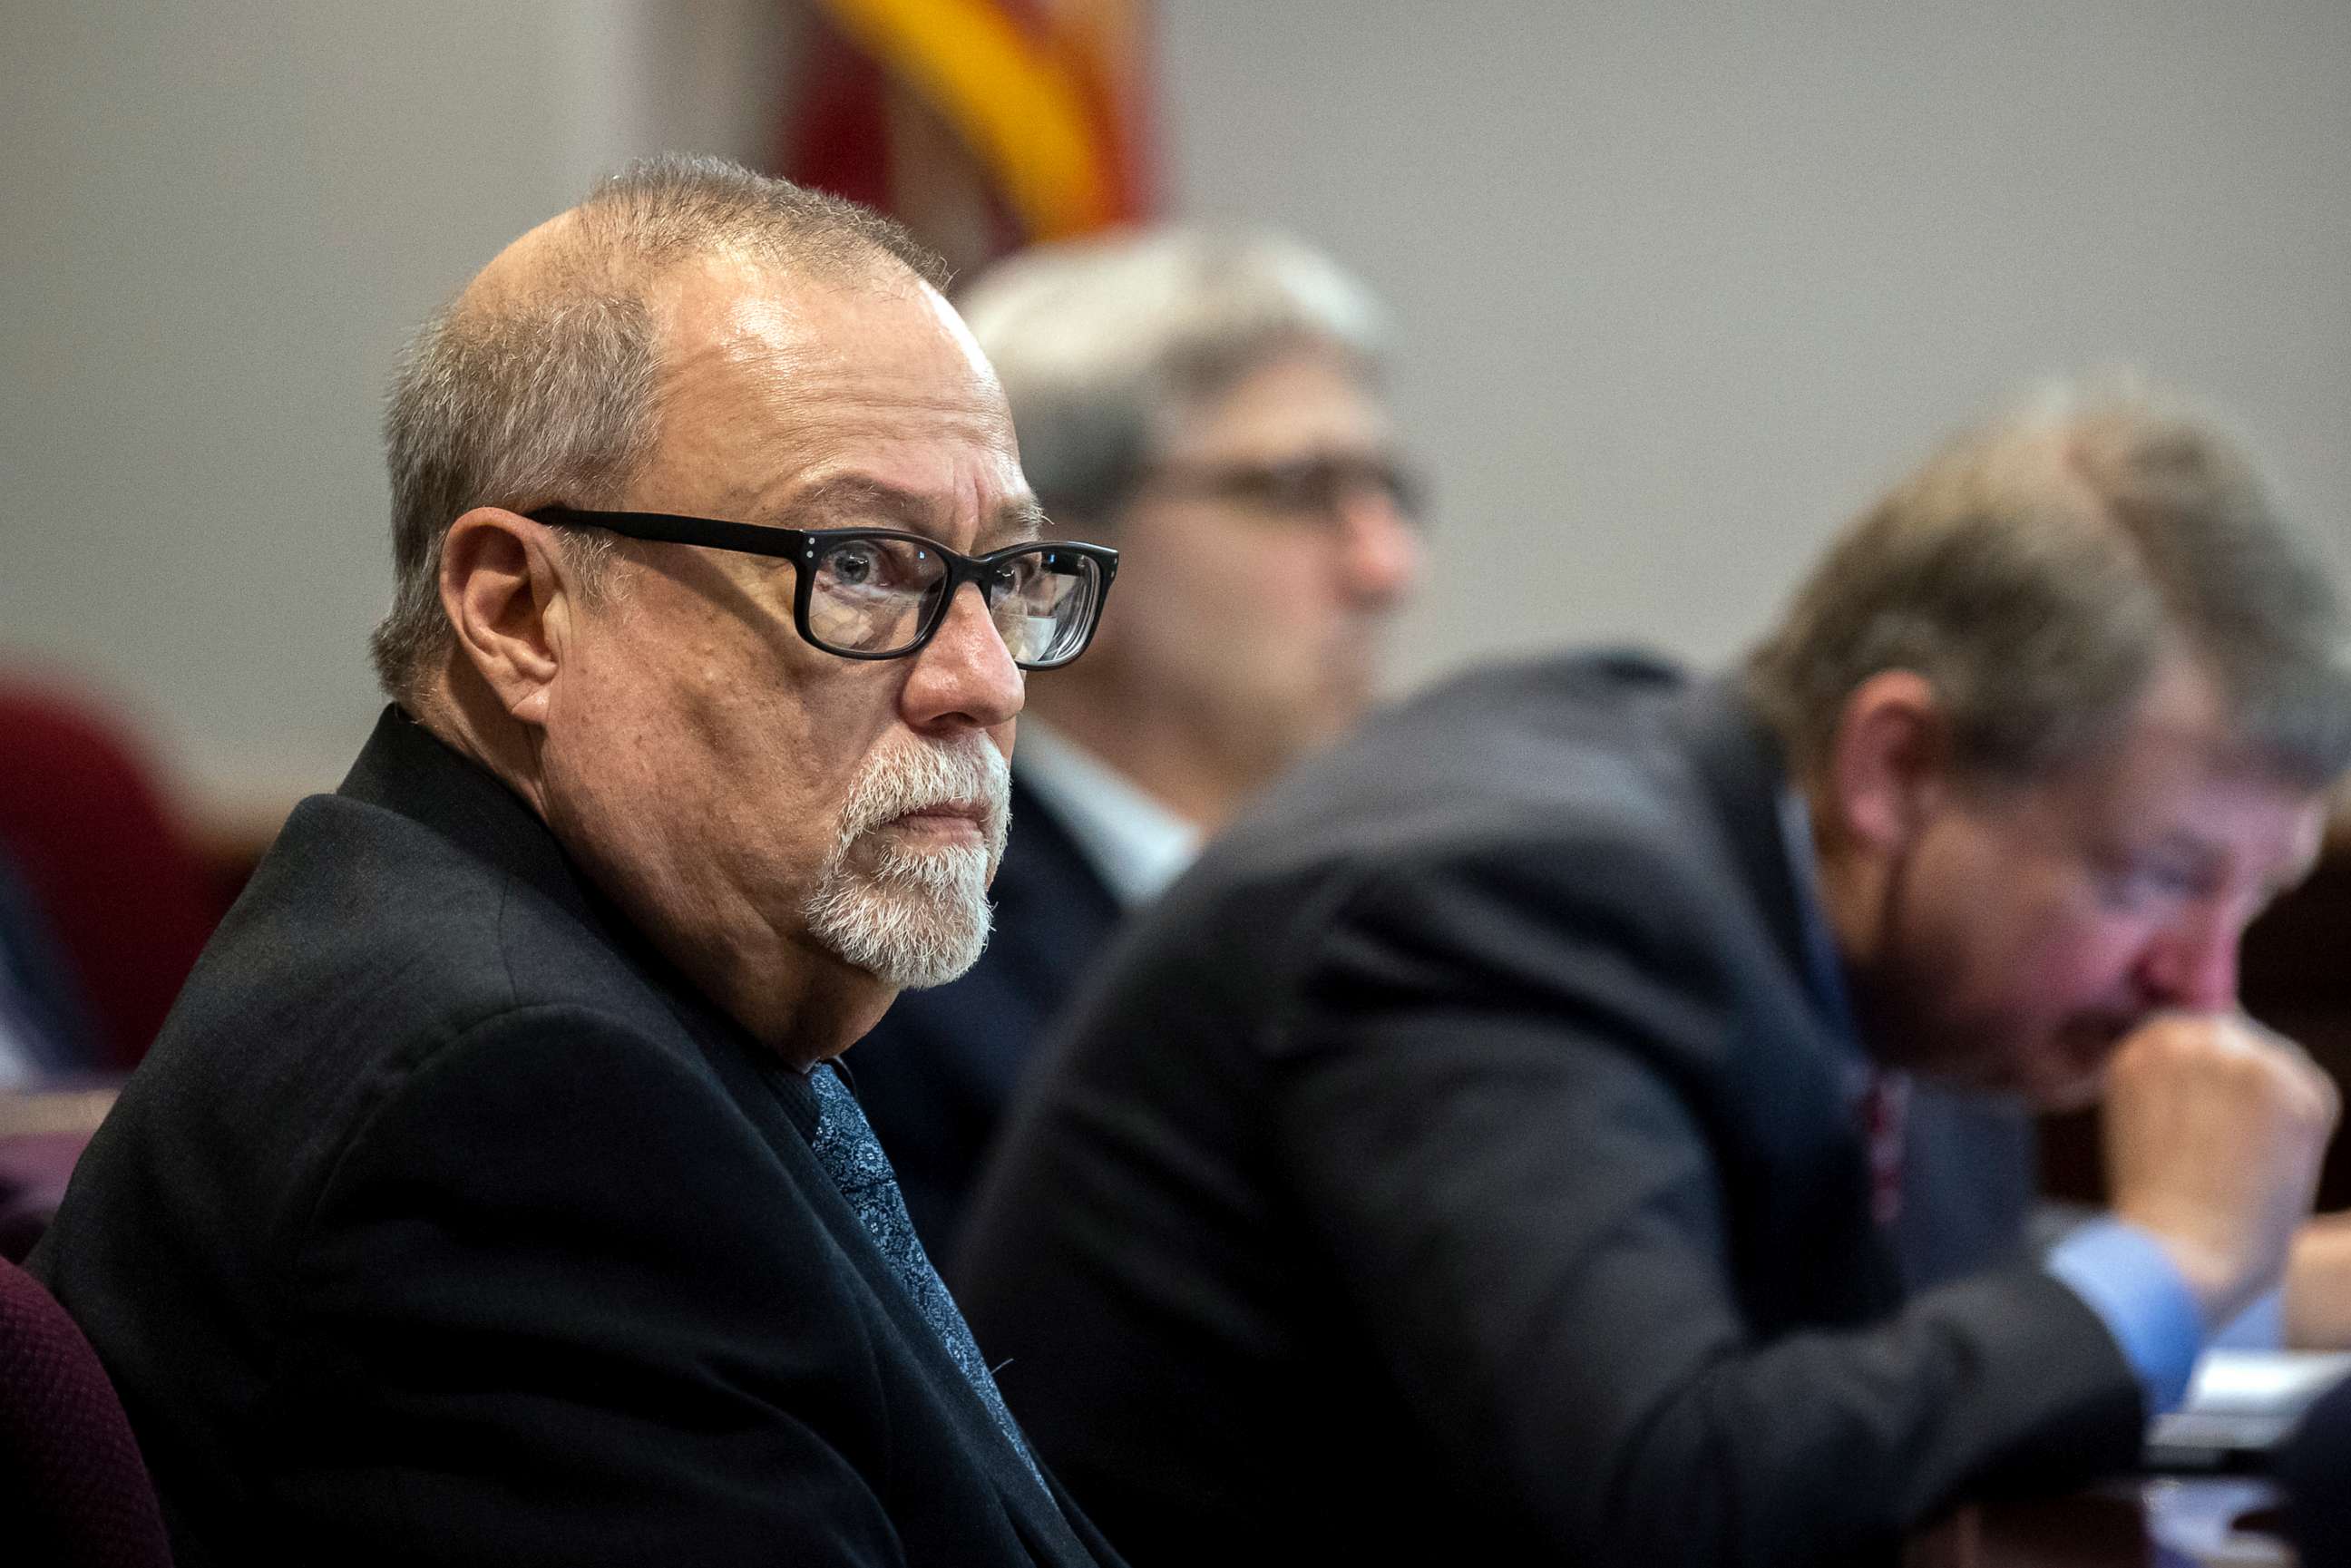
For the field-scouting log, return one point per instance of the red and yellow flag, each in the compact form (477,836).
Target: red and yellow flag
(984,124)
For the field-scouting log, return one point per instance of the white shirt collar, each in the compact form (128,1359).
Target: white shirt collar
(1138,846)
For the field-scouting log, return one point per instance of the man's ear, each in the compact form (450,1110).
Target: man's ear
(509,597)
(1889,761)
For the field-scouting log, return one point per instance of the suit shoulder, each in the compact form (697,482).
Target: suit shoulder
(361,910)
(564,1078)
(1570,769)
(364,947)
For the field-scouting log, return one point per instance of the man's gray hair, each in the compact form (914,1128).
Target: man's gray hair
(2038,567)
(549,394)
(1100,344)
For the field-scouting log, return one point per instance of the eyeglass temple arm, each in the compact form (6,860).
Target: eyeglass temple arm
(669,528)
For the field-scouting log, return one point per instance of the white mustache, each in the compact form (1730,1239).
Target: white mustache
(927,776)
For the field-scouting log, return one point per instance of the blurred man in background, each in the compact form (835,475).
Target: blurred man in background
(1211,403)
(1488,1152)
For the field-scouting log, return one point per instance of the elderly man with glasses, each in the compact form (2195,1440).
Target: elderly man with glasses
(1212,404)
(492,1195)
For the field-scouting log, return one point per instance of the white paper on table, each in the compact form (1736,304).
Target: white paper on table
(2262,1382)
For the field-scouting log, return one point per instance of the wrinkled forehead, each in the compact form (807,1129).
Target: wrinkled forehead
(875,332)
(768,382)
(1311,380)
(2182,769)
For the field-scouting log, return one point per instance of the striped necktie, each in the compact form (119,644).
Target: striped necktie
(1884,1123)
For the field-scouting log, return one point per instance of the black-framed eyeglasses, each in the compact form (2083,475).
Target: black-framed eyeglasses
(1305,487)
(881,593)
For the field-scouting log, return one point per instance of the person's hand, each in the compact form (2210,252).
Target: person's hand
(2318,1285)
(2214,1128)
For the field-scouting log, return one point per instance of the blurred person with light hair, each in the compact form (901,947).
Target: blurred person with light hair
(1211,402)
(1493,1149)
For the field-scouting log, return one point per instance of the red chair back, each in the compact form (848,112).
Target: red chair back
(73,1489)
(124,890)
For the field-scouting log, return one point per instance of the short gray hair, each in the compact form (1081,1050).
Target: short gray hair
(2038,567)
(550,395)
(1100,342)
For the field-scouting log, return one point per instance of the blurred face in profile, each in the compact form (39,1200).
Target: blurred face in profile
(2029,926)
(1264,552)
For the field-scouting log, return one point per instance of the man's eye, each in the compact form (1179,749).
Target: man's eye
(1306,487)
(1014,577)
(2149,883)
(874,566)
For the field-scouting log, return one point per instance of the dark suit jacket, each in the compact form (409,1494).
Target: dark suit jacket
(1458,1166)
(936,1075)
(2316,1469)
(446,1223)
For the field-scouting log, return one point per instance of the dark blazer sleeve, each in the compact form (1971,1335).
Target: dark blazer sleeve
(2316,1470)
(557,1305)
(1489,1108)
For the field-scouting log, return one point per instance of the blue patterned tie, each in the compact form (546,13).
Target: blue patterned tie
(852,1157)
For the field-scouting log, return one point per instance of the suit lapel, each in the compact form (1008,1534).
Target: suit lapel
(1740,768)
(1055,909)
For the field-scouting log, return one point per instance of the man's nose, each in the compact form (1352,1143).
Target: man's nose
(2193,964)
(965,675)
(1380,547)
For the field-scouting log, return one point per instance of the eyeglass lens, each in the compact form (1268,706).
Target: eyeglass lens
(1307,486)
(1320,484)
(879,595)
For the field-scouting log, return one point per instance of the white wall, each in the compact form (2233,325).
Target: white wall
(1682,285)
(220,222)
(1679,284)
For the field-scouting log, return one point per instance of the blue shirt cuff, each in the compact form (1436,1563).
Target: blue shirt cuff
(2260,1326)
(2122,1274)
